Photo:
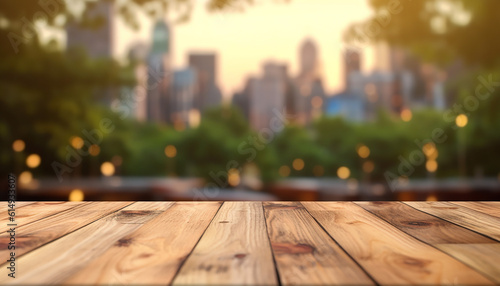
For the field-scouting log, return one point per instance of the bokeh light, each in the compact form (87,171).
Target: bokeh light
(428,148)
(76,142)
(25,177)
(431,166)
(430,151)
(368,166)
(298,164)
(343,172)
(170,151)
(107,169)
(233,177)
(363,151)
(194,118)
(76,195)
(94,150)
(461,120)
(431,198)
(33,160)
(406,115)
(18,145)
(284,171)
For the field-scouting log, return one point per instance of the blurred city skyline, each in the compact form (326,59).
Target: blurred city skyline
(295,99)
(274,31)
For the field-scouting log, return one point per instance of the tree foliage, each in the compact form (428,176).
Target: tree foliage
(439,30)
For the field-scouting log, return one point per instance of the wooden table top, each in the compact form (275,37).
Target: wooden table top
(333,243)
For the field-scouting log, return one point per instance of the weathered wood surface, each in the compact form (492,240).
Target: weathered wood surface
(463,216)
(472,248)
(388,254)
(305,253)
(254,243)
(234,249)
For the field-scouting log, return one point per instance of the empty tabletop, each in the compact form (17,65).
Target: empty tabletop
(255,243)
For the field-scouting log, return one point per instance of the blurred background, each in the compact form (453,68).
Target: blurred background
(250,100)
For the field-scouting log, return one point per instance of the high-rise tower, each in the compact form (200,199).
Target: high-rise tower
(158,86)
(207,93)
(310,95)
(97,41)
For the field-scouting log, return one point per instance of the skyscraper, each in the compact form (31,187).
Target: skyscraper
(138,54)
(207,91)
(310,96)
(352,64)
(158,86)
(309,66)
(267,95)
(182,99)
(97,41)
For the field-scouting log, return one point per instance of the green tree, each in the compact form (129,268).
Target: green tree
(439,30)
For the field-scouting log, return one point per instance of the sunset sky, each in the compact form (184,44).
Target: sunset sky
(267,30)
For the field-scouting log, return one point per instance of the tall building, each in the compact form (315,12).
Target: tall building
(207,91)
(317,99)
(182,100)
(158,85)
(138,54)
(380,90)
(424,81)
(241,99)
(352,64)
(309,99)
(308,58)
(349,105)
(267,94)
(97,41)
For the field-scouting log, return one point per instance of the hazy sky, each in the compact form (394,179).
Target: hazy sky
(268,30)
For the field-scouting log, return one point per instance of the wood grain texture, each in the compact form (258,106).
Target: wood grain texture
(304,253)
(234,250)
(153,253)
(490,208)
(388,254)
(55,262)
(421,225)
(33,212)
(469,218)
(4,206)
(31,236)
(483,257)
(465,245)
(186,243)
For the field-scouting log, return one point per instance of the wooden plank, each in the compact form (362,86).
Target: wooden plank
(423,226)
(484,207)
(149,206)
(57,261)
(484,257)
(234,250)
(153,253)
(31,236)
(455,240)
(4,208)
(18,204)
(304,252)
(471,219)
(34,212)
(389,255)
